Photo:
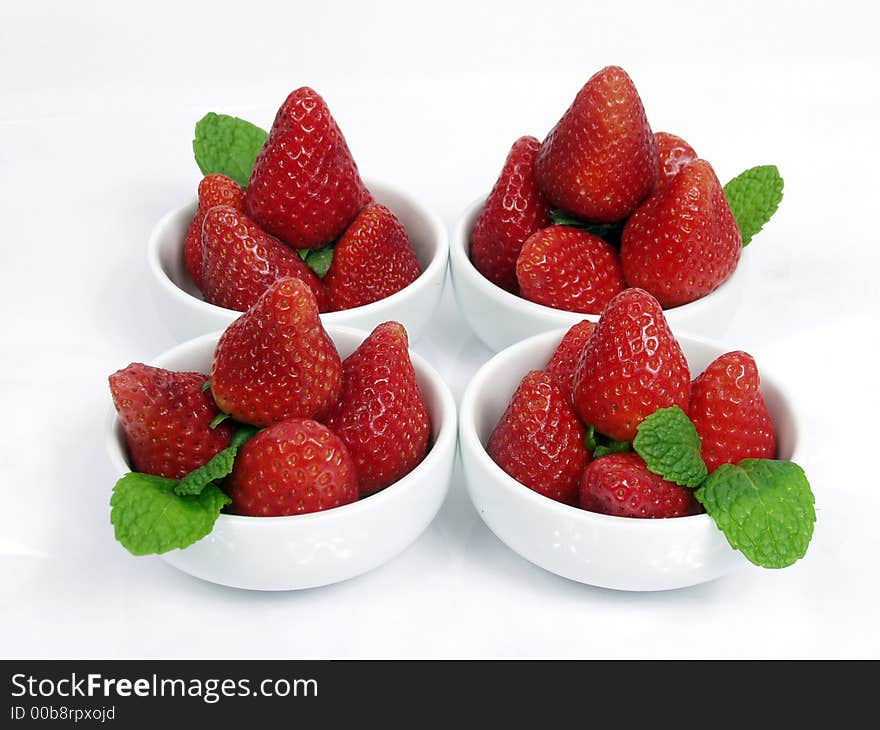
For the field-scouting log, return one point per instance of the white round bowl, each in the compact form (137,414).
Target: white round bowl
(187,314)
(304,551)
(623,553)
(500,318)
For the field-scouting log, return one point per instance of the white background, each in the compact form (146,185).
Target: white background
(97,105)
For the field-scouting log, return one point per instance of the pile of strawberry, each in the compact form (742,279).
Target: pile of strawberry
(604,204)
(290,204)
(614,424)
(282,426)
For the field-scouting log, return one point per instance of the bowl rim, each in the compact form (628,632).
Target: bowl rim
(438,261)
(444,439)
(469,439)
(459,255)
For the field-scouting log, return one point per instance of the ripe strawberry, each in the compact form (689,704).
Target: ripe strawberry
(276,361)
(568,268)
(373,260)
(631,366)
(600,160)
(380,415)
(166,418)
(673,153)
(214,190)
(683,242)
(565,359)
(305,187)
(239,261)
(514,210)
(728,409)
(539,440)
(292,467)
(620,484)
(567,355)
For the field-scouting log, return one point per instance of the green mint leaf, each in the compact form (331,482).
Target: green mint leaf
(754,196)
(590,438)
(611,232)
(668,442)
(561,218)
(244,434)
(218,467)
(218,419)
(611,447)
(227,145)
(765,508)
(148,517)
(304,253)
(206,385)
(319,259)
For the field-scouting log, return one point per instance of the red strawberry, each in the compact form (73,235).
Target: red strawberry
(381,416)
(514,210)
(166,418)
(239,261)
(214,190)
(728,409)
(565,359)
(620,484)
(673,154)
(276,361)
(568,268)
(305,187)
(539,440)
(291,468)
(373,260)
(631,366)
(683,242)
(600,160)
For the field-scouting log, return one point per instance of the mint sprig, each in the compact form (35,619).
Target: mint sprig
(152,514)
(149,517)
(318,259)
(764,507)
(217,468)
(611,232)
(227,145)
(611,447)
(754,196)
(668,442)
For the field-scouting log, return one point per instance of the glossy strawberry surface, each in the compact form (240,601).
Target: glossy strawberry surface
(291,468)
(567,355)
(305,187)
(276,362)
(214,190)
(729,411)
(621,485)
(240,261)
(166,419)
(632,365)
(673,153)
(600,160)
(373,260)
(381,415)
(568,268)
(683,242)
(514,210)
(539,440)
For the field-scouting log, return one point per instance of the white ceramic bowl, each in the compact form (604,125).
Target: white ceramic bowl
(187,314)
(304,551)
(500,318)
(612,552)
